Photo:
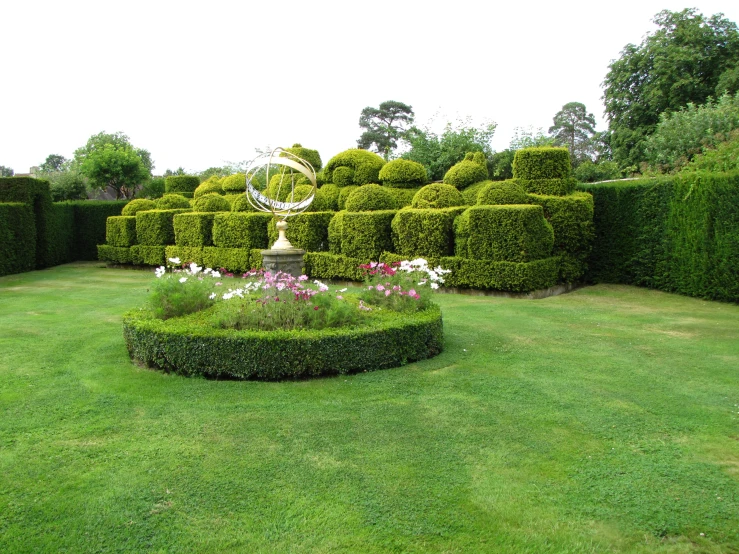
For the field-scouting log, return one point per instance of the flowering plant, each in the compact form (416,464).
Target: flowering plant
(401,286)
(185,289)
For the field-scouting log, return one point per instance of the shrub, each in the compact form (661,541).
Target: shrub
(366,235)
(437,195)
(425,232)
(193,229)
(335,228)
(153,188)
(402,197)
(302,192)
(138,205)
(114,254)
(234,183)
(553,187)
(236,260)
(208,187)
(121,231)
(241,230)
(308,231)
(240,203)
(544,162)
(364,164)
(503,233)
(343,176)
(34,192)
(181,183)
(588,172)
(211,202)
(181,292)
(344,193)
(60,228)
(310,156)
(156,227)
(189,253)
(66,185)
(90,217)
(324,265)
(172,202)
(725,157)
(467,172)
(470,193)
(327,199)
(502,192)
(369,198)
(403,174)
(17,238)
(148,255)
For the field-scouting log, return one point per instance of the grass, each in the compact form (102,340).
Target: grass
(604,420)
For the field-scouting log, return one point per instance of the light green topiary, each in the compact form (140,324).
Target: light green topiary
(404,174)
(365,165)
(234,183)
(181,183)
(327,199)
(310,156)
(545,162)
(211,203)
(343,176)
(344,193)
(437,196)
(467,172)
(240,203)
(172,202)
(370,198)
(208,187)
(502,192)
(138,205)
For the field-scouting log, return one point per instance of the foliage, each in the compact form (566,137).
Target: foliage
(152,189)
(402,173)
(217,172)
(384,126)
(362,167)
(114,254)
(528,137)
(155,227)
(17,238)
(120,231)
(557,187)
(369,198)
(424,232)
(34,192)
(344,193)
(500,165)
(66,185)
(437,195)
(182,291)
(589,172)
(728,82)
(172,202)
(574,128)
(404,286)
(138,205)
(194,229)
(438,153)
(327,199)
(181,183)
(365,235)
(310,156)
(235,259)
(211,202)
(682,134)
(240,203)
(502,192)
(208,187)
(725,157)
(308,231)
(541,163)
(472,169)
(678,64)
(54,163)
(176,173)
(232,183)
(142,254)
(241,230)
(6,171)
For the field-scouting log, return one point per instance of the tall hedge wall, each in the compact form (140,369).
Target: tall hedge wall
(17,238)
(34,192)
(677,234)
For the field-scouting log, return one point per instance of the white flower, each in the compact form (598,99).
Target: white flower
(434,285)
(160,271)
(343,290)
(175,261)
(215,274)
(183,279)
(194,269)
(212,295)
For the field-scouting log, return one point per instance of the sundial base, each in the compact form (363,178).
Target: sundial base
(288,261)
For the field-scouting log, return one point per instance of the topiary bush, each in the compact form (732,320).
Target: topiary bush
(344,193)
(241,230)
(138,205)
(310,156)
(208,187)
(467,172)
(343,176)
(327,199)
(211,202)
(300,193)
(403,197)
(234,183)
(545,162)
(148,255)
(403,174)
(155,227)
(120,231)
(240,203)
(172,202)
(308,231)
(17,238)
(181,183)
(365,166)
(193,229)
(426,233)
(366,235)
(553,187)
(437,195)
(370,198)
(502,192)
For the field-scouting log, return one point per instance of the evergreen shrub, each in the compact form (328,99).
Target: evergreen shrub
(148,255)
(327,199)
(365,166)
(402,197)
(208,187)
(472,169)
(138,205)
(240,203)
(90,217)
(156,227)
(121,231)
(325,265)
(366,235)
(544,162)
(437,195)
(470,193)
(114,254)
(308,231)
(181,183)
(235,183)
(425,233)
(60,229)
(551,187)
(235,260)
(193,229)
(34,192)
(502,192)
(369,198)
(241,230)
(403,174)
(17,238)
(307,154)
(172,202)
(187,254)
(344,193)
(211,202)
(335,229)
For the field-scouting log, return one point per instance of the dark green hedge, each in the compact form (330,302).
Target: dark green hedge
(114,254)
(148,255)
(425,233)
(512,233)
(235,260)
(156,227)
(325,265)
(677,234)
(34,192)
(193,229)
(544,162)
(60,229)
(308,231)
(366,235)
(241,230)
(571,218)
(89,225)
(17,238)
(121,231)
(181,183)
(184,346)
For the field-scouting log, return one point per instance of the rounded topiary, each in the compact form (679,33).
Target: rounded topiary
(403,174)
(437,196)
(279,187)
(171,202)
(300,193)
(181,183)
(208,187)
(240,203)
(344,193)
(327,198)
(234,183)
(212,202)
(467,172)
(343,176)
(545,162)
(310,156)
(366,166)
(370,198)
(502,192)
(138,205)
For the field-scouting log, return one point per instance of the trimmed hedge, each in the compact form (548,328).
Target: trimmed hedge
(307,154)
(555,187)
(571,218)
(470,193)
(172,202)
(677,234)
(362,167)
(181,183)
(402,197)
(90,218)
(240,203)
(308,231)
(344,193)
(370,198)
(543,162)
(437,195)
(60,229)
(114,254)
(120,231)
(148,255)
(241,230)
(193,229)
(472,169)
(17,238)
(327,199)
(156,227)
(403,174)
(502,192)
(512,233)
(235,183)
(138,205)
(211,202)
(186,254)
(209,187)
(235,260)
(34,192)
(325,265)
(187,347)
(425,233)
(366,235)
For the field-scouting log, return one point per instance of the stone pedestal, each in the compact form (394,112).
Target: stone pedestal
(288,261)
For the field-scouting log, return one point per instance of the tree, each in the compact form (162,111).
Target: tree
(6,171)
(110,161)
(179,171)
(53,162)
(384,126)
(681,62)
(528,138)
(574,128)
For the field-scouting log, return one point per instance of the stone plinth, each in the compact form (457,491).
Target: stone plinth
(288,261)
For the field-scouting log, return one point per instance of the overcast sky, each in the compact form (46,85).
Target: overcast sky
(201,83)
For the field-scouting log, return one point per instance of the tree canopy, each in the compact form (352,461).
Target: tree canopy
(53,162)
(384,126)
(6,171)
(574,128)
(682,62)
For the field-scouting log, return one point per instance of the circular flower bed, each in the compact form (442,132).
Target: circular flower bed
(277,327)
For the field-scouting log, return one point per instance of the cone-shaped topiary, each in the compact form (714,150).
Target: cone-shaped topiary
(437,195)
(467,172)
(403,174)
(365,167)
(212,202)
(502,192)
(138,205)
(172,202)
(370,198)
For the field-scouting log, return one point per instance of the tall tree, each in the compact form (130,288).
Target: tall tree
(53,162)
(574,128)
(6,171)
(681,62)
(383,126)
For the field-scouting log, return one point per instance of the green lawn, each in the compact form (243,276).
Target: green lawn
(604,420)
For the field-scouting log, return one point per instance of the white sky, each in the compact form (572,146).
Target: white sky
(201,83)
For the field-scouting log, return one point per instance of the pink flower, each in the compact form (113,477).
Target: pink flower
(338,296)
(303,278)
(380,288)
(388,292)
